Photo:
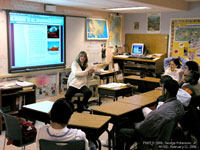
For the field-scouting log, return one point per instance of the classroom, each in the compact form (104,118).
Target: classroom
(126,53)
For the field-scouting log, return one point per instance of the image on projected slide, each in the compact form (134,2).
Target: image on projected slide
(53,31)
(53,46)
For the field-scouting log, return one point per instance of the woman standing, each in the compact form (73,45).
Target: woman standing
(78,80)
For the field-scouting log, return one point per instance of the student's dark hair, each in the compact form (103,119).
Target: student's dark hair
(85,65)
(172,87)
(194,77)
(192,65)
(61,111)
(177,62)
(165,78)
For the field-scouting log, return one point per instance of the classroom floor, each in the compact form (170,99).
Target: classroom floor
(103,137)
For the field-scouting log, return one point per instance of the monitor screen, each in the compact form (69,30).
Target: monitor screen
(137,49)
(35,41)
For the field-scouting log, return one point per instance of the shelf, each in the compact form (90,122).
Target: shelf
(12,112)
(140,66)
(12,99)
(10,94)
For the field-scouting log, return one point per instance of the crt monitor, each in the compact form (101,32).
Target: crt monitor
(137,49)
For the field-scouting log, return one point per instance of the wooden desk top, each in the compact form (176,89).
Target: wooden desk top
(149,79)
(88,120)
(44,106)
(138,100)
(135,59)
(152,93)
(115,108)
(106,73)
(116,88)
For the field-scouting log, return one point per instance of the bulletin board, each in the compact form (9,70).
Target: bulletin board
(154,43)
(185,38)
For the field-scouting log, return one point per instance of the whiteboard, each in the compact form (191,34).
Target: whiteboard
(76,41)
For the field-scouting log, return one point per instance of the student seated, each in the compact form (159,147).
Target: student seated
(192,86)
(171,110)
(60,114)
(191,120)
(173,67)
(189,66)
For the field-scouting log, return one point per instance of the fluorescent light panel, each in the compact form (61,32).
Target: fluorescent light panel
(129,8)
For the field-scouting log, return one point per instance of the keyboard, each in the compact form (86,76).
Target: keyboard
(141,57)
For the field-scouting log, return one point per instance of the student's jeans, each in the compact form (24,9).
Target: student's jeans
(125,138)
(72,91)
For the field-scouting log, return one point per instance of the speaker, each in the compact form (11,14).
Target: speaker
(50,8)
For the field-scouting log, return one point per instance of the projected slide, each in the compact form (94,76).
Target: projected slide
(36,41)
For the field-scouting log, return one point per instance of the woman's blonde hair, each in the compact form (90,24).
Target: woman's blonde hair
(85,65)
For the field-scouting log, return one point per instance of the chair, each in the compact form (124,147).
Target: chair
(165,135)
(13,131)
(78,97)
(62,145)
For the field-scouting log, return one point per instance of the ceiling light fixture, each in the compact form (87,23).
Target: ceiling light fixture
(128,8)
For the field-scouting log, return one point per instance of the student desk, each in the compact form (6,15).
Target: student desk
(145,84)
(117,111)
(139,100)
(92,125)
(113,91)
(152,93)
(105,75)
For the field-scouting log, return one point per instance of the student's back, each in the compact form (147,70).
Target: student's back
(60,114)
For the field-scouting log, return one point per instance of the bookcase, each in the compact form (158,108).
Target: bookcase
(14,97)
(134,66)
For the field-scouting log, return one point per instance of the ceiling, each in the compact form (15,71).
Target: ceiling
(102,5)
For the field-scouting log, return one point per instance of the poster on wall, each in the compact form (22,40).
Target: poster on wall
(97,29)
(184,37)
(115,30)
(136,25)
(46,84)
(153,23)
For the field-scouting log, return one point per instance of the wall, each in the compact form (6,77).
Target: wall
(129,19)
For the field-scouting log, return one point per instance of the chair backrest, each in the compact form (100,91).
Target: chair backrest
(166,131)
(13,130)
(62,145)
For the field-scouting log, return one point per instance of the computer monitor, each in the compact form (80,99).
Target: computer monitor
(137,49)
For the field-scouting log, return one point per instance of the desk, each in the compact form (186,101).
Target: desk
(105,75)
(117,111)
(144,84)
(152,93)
(92,125)
(139,100)
(115,92)
(136,66)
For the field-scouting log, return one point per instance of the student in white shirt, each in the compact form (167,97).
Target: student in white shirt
(78,80)
(60,114)
(173,67)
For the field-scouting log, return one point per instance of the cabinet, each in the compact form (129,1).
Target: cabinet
(13,98)
(134,66)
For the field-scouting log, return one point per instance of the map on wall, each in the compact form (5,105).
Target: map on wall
(97,29)
(115,31)
(185,41)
